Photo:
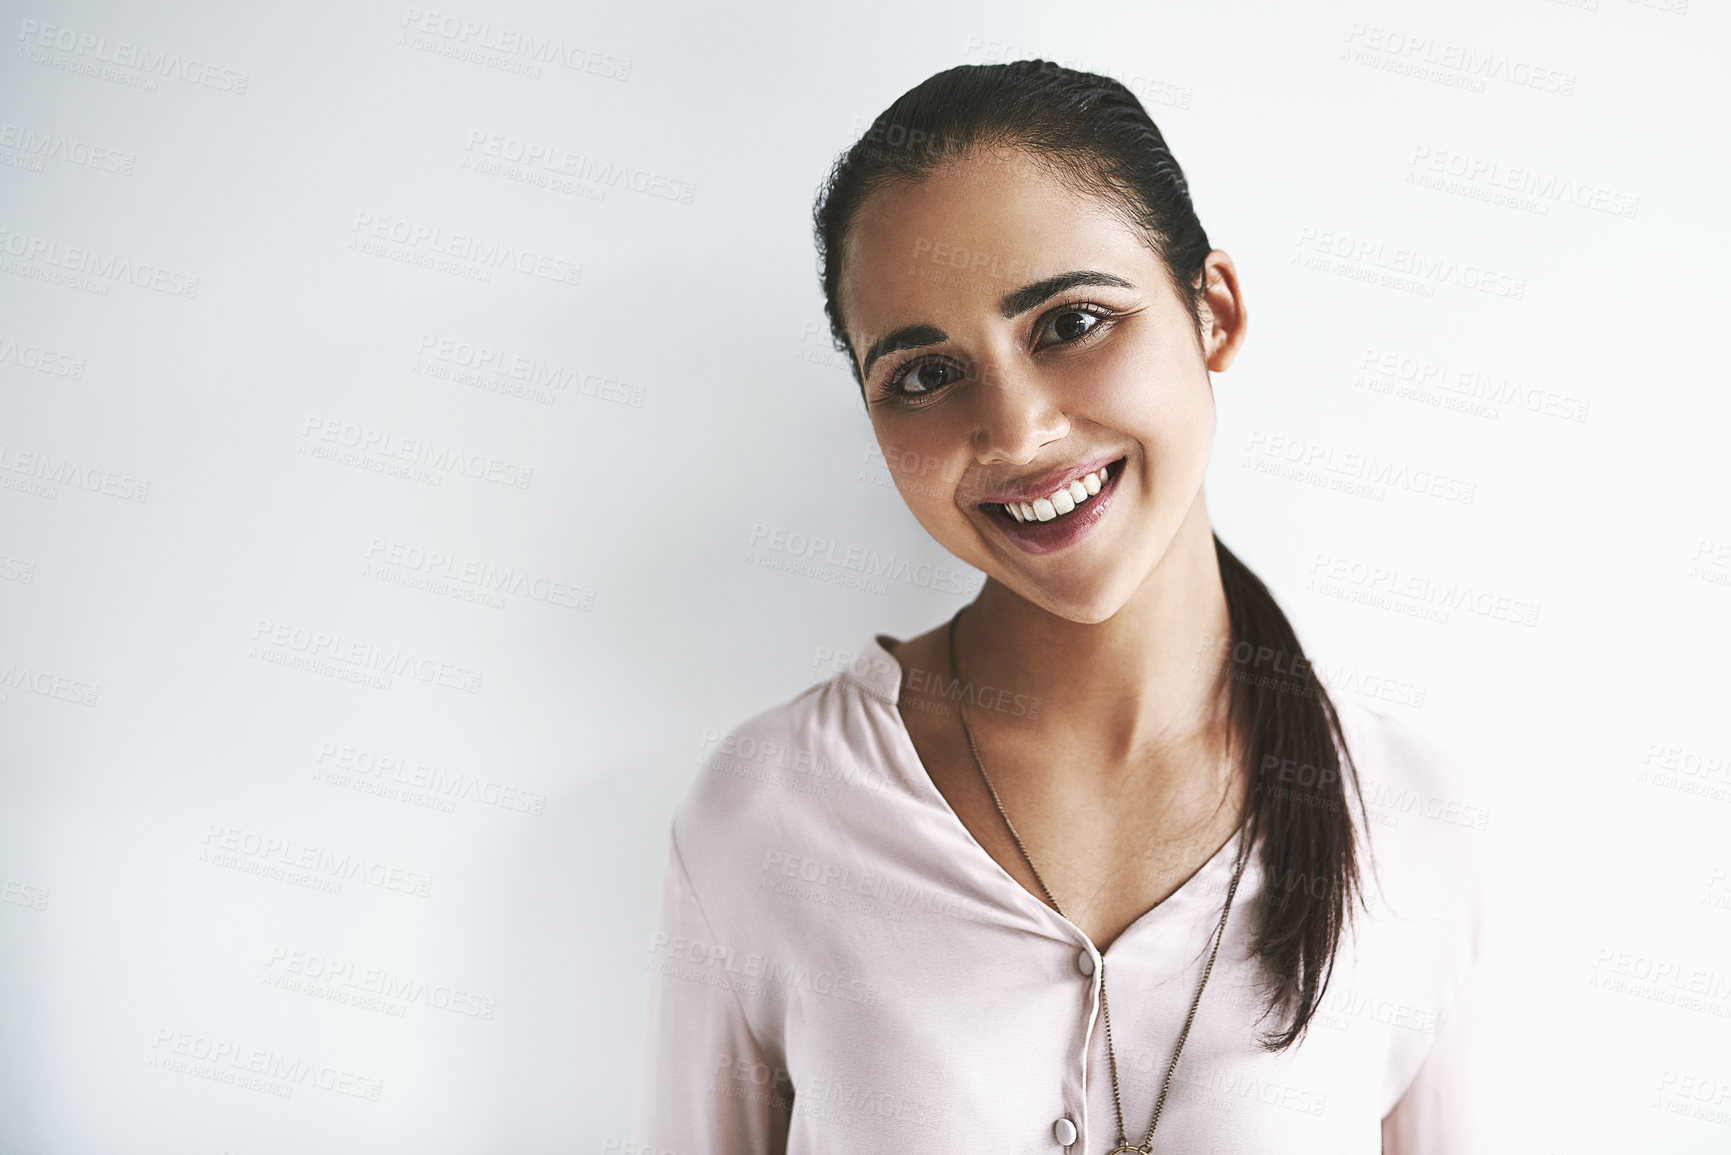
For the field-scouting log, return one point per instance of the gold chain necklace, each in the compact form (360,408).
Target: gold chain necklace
(1124,1147)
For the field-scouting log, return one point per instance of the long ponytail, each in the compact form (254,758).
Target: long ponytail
(1290,739)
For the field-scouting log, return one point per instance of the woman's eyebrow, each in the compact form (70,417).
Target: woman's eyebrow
(906,337)
(1012,304)
(1028,296)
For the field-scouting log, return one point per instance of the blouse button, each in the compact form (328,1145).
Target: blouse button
(1065,1132)
(1085,963)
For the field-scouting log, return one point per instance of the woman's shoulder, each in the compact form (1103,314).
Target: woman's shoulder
(1405,769)
(1426,816)
(827,749)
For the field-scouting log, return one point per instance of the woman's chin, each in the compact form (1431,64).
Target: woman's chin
(1086,602)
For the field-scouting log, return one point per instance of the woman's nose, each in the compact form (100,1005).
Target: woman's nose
(1014,414)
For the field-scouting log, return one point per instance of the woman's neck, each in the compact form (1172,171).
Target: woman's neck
(1128,690)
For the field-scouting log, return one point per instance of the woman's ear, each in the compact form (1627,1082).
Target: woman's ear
(1224,320)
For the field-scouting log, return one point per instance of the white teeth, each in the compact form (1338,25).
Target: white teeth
(1059,502)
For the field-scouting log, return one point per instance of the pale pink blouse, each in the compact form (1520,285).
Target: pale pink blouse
(840,967)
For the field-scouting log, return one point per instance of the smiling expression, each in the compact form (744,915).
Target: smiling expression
(1015,335)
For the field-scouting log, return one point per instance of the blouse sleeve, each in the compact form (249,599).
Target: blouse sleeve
(1447,1108)
(704,1085)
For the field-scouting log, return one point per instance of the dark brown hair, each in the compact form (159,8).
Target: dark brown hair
(1091,133)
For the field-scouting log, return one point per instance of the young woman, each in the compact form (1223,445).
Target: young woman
(1087,867)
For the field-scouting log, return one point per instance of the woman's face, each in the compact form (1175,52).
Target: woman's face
(1014,335)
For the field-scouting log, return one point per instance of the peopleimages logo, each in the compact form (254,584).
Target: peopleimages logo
(859,559)
(344,980)
(47,684)
(1366,258)
(46,472)
(480,575)
(279,641)
(1328,465)
(40,360)
(535,373)
(229,1061)
(89,46)
(110,267)
(1464,389)
(1457,65)
(220,840)
(372,231)
(555,161)
(385,445)
(372,768)
(1545,188)
(527,47)
(38,145)
(1414,594)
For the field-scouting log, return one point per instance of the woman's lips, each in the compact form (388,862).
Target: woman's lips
(1040,537)
(1047,484)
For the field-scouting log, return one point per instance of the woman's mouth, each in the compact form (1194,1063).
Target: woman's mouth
(1060,518)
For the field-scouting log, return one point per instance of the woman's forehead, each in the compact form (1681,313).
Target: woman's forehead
(967,235)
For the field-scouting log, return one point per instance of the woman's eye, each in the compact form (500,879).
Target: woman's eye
(1068,325)
(925,377)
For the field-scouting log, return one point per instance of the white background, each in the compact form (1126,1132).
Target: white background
(177,540)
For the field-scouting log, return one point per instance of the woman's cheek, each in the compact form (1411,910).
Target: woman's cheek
(915,458)
(1121,377)
(1165,398)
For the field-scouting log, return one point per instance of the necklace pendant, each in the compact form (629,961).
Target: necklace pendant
(1127,1149)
